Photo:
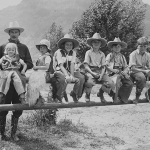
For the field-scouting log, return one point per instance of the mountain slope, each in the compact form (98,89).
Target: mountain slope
(36,16)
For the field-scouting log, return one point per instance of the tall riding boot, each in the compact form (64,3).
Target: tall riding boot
(14,124)
(74,96)
(101,95)
(65,97)
(2,128)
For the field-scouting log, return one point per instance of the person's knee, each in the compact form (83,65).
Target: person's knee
(110,83)
(90,83)
(140,77)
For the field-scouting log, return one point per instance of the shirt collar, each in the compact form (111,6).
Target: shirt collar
(98,51)
(139,52)
(14,41)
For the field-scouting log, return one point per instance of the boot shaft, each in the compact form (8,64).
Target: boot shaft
(2,125)
(14,125)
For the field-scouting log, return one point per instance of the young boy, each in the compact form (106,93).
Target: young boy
(118,70)
(11,63)
(139,63)
(95,66)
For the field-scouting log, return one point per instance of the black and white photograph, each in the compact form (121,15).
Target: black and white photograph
(74,74)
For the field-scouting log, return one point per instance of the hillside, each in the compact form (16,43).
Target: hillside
(36,16)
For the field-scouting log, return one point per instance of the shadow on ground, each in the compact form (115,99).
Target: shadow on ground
(27,144)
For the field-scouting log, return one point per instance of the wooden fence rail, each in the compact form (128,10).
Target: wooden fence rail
(8,107)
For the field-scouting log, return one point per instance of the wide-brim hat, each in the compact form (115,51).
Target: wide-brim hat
(14,25)
(96,36)
(117,41)
(68,38)
(44,42)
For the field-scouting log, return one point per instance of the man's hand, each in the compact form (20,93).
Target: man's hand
(95,75)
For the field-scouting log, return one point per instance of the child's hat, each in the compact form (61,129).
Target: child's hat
(68,38)
(96,36)
(44,42)
(117,41)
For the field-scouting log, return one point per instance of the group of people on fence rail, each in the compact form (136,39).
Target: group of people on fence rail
(112,72)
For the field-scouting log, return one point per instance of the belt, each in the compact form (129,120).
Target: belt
(12,69)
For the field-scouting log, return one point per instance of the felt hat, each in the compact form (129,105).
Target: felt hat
(14,25)
(44,42)
(117,41)
(68,38)
(96,36)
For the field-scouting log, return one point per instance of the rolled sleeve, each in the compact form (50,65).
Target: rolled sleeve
(132,60)
(59,58)
(103,61)
(47,60)
(73,57)
(87,57)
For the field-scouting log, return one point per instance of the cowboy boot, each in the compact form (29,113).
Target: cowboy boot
(2,128)
(14,124)
(101,95)
(137,96)
(87,97)
(114,97)
(65,97)
(74,96)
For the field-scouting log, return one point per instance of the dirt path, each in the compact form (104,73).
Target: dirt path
(124,127)
(129,124)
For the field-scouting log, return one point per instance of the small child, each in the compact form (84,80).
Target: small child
(37,81)
(11,65)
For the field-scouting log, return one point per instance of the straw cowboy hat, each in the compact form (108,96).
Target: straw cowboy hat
(68,38)
(14,25)
(44,42)
(96,36)
(117,41)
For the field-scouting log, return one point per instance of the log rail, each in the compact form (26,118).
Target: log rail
(10,107)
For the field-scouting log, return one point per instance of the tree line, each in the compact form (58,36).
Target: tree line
(110,18)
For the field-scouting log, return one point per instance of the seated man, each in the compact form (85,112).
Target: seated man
(95,66)
(139,62)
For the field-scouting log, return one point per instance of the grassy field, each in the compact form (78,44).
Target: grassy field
(96,128)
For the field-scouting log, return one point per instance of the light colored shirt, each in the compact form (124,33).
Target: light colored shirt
(47,59)
(136,59)
(93,58)
(60,59)
(116,60)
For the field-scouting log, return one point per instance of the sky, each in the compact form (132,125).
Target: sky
(6,3)
(146,1)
